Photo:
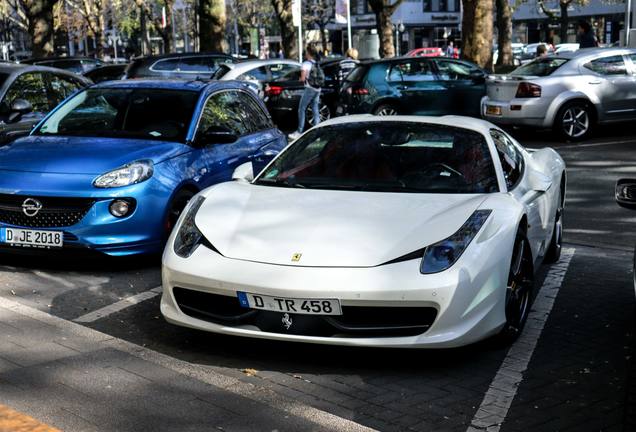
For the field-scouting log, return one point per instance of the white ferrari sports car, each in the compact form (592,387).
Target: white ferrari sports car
(372,231)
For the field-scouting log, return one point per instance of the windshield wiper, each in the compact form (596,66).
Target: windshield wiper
(287,182)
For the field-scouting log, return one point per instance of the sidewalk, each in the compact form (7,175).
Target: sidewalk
(78,379)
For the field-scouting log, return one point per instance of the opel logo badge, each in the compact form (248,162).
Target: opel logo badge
(31,207)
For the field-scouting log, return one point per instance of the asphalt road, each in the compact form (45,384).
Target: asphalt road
(578,376)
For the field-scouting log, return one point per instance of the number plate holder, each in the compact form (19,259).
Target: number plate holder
(301,306)
(31,238)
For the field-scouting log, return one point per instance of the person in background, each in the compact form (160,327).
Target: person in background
(542,51)
(348,63)
(450,50)
(311,94)
(585,35)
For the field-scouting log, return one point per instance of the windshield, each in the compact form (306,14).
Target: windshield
(156,114)
(386,157)
(540,67)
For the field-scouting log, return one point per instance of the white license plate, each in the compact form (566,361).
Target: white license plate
(290,305)
(493,110)
(31,238)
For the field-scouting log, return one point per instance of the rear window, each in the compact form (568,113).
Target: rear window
(540,67)
(165,65)
(357,74)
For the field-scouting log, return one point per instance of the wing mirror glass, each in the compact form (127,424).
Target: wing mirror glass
(244,172)
(19,107)
(626,193)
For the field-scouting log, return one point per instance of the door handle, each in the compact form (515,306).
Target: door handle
(594,82)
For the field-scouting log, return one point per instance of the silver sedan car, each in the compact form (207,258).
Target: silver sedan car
(570,92)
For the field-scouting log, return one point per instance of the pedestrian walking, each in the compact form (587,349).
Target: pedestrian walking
(348,64)
(586,35)
(450,50)
(312,75)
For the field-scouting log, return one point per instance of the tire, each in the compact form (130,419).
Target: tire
(553,252)
(325,114)
(178,203)
(385,110)
(575,121)
(518,291)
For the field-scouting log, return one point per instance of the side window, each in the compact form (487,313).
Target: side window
(412,70)
(169,65)
(452,71)
(62,87)
(510,157)
(260,120)
(199,64)
(612,65)
(225,110)
(257,74)
(280,70)
(31,87)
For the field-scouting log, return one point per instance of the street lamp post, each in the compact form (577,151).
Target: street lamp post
(399,28)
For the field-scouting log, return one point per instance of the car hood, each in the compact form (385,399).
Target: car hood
(329,228)
(82,155)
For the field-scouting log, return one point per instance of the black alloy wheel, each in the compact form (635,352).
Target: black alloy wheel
(518,290)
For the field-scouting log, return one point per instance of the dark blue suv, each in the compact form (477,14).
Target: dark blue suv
(414,85)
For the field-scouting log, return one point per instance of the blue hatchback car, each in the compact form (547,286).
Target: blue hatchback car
(112,167)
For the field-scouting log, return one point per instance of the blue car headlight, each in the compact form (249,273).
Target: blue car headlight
(442,255)
(189,237)
(135,172)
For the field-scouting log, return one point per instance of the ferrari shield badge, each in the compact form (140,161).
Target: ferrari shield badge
(296,257)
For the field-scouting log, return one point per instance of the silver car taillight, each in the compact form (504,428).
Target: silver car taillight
(528,90)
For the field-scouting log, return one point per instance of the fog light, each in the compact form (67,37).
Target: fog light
(119,208)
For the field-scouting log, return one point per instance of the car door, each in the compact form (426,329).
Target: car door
(537,205)
(227,109)
(614,86)
(32,87)
(414,82)
(466,85)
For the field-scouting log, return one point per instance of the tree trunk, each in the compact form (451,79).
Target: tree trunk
(212,25)
(477,32)
(383,10)
(288,33)
(565,20)
(166,32)
(504,30)
(40,16)
(145,40)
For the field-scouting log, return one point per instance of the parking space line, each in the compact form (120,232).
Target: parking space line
(497,401)
(119,306)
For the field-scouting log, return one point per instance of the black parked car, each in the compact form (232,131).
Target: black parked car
(190,66)
(28,93)
(111,72)
(414,85)
(282,96)
(77,65)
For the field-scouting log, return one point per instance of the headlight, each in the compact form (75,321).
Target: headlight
(188,237)
(440,256)
(127,175)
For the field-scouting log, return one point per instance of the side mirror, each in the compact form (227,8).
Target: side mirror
(18,108)
(244,172)
(626,193)
(217,135)
(538,181)
(478,77)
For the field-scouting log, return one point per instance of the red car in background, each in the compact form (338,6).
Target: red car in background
(426,52)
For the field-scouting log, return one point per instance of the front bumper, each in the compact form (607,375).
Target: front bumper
(142,231)
(468,302)
(519,112)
